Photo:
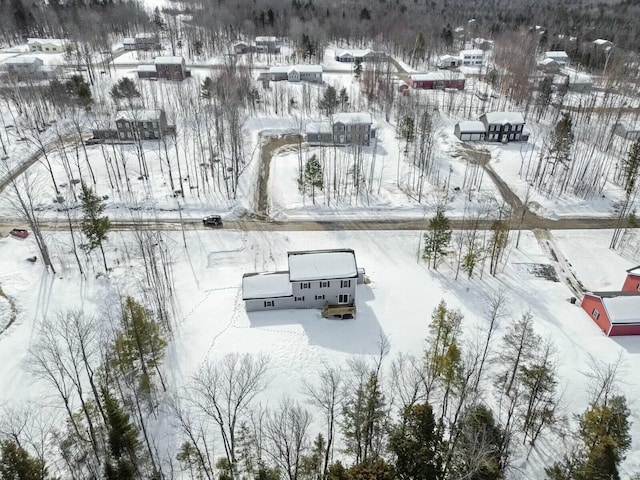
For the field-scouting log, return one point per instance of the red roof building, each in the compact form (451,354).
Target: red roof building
(632,282)
(616,313)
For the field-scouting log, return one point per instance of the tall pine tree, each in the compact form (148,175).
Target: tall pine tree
(124,446)
(438,238)
(94,226)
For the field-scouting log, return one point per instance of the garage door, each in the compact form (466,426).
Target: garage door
(465,136)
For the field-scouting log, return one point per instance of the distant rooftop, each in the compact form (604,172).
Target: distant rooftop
(437,76)
(53,41)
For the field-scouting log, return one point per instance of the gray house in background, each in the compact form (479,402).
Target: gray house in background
(141,124)
(323,279)
(352,128)
(318,133)
(344,129)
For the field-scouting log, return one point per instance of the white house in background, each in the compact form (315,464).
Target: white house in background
(627,130)
(324,279)
(47,45)
(449,61)
(472,58)
(348,56)
(296,73)
(559,56)
(470,131)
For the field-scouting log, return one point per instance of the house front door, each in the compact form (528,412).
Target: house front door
(343,298)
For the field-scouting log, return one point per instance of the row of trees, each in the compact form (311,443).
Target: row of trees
(465,408)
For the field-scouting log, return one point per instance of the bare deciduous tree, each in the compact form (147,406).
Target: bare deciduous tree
(224,391)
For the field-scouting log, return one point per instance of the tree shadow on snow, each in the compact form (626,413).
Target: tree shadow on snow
(361,335)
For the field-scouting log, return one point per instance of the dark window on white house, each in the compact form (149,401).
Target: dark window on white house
(319,297)
(345,284)
(299,299)
(325,284)
(343,298)
(305,285)
(268,303)
(595,313)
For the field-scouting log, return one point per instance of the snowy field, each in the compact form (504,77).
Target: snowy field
(396,305)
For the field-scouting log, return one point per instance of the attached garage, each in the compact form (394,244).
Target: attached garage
(473,131)
(616,313)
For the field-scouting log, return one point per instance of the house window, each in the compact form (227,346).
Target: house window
(328,284)
(345,284)
(595,313)
(299,299)
(511,137)
(305,285)
(268,303)
(343,298)
(319,297)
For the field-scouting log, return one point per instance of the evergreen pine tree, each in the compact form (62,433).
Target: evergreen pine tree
(631,168)
(124,445)
(94,226)
(329,101)
(561,142)
(17,464)
(416,445)
(124,89)
(207,88)
(357,68)
(312,177)
(438,238)
(344,98)
(139,346)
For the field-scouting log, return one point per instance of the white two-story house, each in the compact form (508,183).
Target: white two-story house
(315,279)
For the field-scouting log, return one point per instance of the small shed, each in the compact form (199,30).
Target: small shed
(616,313)
(632,282)
(471,131)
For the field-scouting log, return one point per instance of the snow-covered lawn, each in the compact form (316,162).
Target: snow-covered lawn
(396,305)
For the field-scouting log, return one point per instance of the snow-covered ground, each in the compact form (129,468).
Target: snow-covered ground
(396,305)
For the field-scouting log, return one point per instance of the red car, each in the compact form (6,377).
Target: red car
(19,232)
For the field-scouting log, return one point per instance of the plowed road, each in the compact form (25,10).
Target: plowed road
(255,224)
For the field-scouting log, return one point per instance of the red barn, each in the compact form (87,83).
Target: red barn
(616,313)
(632,282)
(437,80)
